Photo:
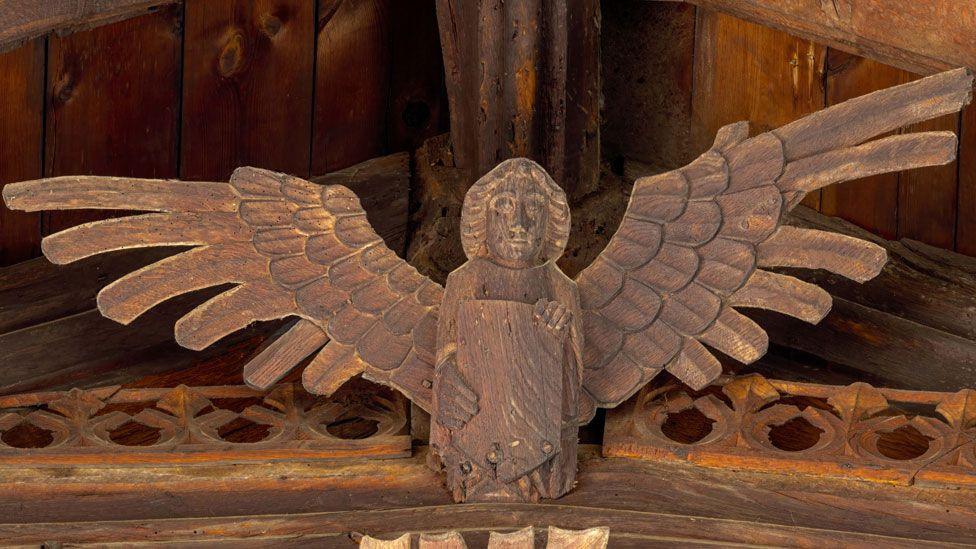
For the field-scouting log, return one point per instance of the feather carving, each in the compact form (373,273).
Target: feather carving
(721,219)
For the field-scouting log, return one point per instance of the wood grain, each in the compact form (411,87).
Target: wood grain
(749,422)
(511,436)
(57,354)
(352,82)
(931,36)
(920,283)
(921,309)
(744,71)
(383,186)
(22,20)
(36,291)
(647,59)
(40,314)
(21,128)
(693,240)
(247,87)
(113,96)
(417,108)
(966,222)
(643,503)
(523,80)
(917,204)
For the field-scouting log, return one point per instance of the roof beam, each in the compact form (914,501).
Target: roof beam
(22,20)
(921,37)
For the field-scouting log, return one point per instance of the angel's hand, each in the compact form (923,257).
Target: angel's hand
(553,315)
(456,402)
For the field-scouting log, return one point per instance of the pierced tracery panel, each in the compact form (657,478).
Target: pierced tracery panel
(855,431)
(184,424)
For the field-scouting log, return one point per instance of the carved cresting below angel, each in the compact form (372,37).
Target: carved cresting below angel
(512,356)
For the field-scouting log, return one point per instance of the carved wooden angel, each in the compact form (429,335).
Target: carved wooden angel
(512,355)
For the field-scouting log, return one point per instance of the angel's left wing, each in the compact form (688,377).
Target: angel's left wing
(693,241)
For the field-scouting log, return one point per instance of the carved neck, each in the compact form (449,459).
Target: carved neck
(511,265)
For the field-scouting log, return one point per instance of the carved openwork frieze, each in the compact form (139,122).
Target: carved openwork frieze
(199,424)
(855,431)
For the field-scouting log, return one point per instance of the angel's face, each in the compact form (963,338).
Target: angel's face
(517,216)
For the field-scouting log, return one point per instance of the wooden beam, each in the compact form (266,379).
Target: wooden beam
(641,501)
(523,79)
(21,20)
(910,327)
(922,37)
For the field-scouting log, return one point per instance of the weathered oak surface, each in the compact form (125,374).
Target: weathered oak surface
(736,63)
(21,142)
(21,20)
(751,423)
(523,79)
(918,312)
(247,87)
(644,504)
(931,36)
(47,314)
(97,92)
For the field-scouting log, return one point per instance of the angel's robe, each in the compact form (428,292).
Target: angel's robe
(480,279)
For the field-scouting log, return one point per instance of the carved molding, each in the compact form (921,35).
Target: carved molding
(556,538)
(199,424)
(855,431)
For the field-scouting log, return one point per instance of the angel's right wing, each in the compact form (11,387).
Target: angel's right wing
(693,241)
(291,247)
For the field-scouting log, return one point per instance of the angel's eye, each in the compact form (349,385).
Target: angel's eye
(503,204)
(534,204)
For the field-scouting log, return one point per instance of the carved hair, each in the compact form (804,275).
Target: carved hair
(474,213)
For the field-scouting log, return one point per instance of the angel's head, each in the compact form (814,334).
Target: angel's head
(515,215)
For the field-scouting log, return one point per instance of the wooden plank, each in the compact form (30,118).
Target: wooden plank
(744,71)
(881,347)
(918,204)
(418,99)
(871,202)
(247,87)
(926,285)
(35,291)
(928,197)
(21,127)
(923,37)
(113,103)
(21,20)
(648,53)
(54,355)
(912,326)
(383,497)
(966,223)
(352,82)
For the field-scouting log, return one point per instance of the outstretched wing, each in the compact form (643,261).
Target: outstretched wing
(693,241)
(290,247)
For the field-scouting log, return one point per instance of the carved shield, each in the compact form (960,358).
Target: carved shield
(514,365)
